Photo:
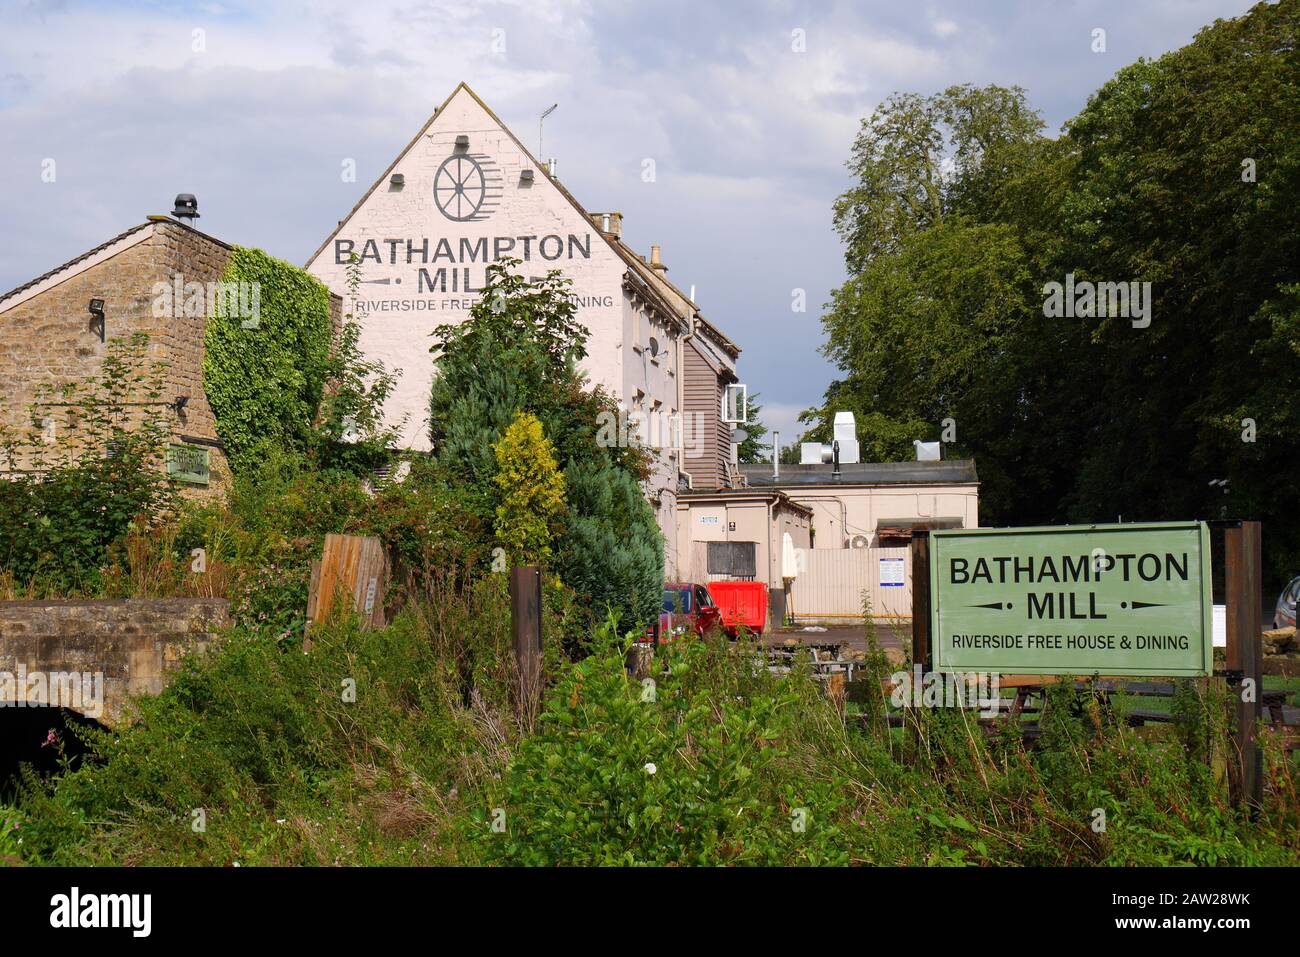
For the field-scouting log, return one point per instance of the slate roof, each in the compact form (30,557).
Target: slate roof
(951,472)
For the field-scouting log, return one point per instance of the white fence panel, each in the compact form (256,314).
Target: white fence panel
(833,582)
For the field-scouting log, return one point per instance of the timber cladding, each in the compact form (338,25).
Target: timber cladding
(353,574)
(702,404)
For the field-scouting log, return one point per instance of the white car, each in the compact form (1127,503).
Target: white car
(1284,614)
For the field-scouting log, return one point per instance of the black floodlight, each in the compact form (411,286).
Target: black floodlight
(180,402)
(526,176)
(397,180)
(187,207)
(462,142)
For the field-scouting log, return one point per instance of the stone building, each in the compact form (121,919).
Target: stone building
(56,329)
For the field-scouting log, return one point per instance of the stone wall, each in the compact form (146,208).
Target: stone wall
(134,644)
(46,339)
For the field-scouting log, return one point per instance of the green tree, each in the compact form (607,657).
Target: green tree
(1182,172)
(899,158)
(754,449)
(531,489)
(351,433)
(519,352)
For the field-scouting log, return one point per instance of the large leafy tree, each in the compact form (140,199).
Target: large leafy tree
(518,352)
(1183,172)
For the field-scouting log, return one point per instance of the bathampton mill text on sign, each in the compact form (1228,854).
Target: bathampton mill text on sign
(1078,600)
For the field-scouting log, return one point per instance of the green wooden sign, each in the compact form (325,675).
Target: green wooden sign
(188,464)
(1073,599)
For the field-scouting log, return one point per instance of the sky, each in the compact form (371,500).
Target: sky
(748,110)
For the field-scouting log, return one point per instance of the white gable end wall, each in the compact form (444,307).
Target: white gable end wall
(424,248)
(417,260)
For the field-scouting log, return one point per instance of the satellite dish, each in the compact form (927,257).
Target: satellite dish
(738,436)
(654,347)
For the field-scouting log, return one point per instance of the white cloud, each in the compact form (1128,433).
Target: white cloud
(944,28)
(749,137)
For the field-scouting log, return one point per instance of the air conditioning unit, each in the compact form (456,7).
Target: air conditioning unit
(927,451)
(859,541)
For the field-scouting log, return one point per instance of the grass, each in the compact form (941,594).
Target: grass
(263,748)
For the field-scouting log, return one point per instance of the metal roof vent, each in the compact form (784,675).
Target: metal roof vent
(187,207)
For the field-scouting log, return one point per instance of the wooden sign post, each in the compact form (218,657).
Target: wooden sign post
(526,626)
(920,616)
(1245,659)
(921,599)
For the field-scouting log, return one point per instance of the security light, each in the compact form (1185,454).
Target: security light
(526,176)
(180,402)
(397,180)
(462,142)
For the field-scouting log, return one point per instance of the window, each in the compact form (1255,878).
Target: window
(702,598)
(733,559)
(735,404)
(677,601)
(1292,590)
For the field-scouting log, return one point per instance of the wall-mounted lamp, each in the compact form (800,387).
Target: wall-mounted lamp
(462,142)
(397,180)
(526,177)
(97,318)
(180,402)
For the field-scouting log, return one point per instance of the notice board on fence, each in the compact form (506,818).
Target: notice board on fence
(1074,599)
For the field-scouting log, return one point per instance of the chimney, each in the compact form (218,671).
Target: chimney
(656,263)
(610,224)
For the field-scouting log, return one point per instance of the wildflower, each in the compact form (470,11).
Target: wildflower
(50,739)
(651,769)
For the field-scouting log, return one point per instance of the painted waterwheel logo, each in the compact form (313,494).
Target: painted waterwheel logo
(462,188)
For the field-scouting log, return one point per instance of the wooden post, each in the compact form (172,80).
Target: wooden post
(920,617)
(921,599)
(526,624)
(1245,658)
